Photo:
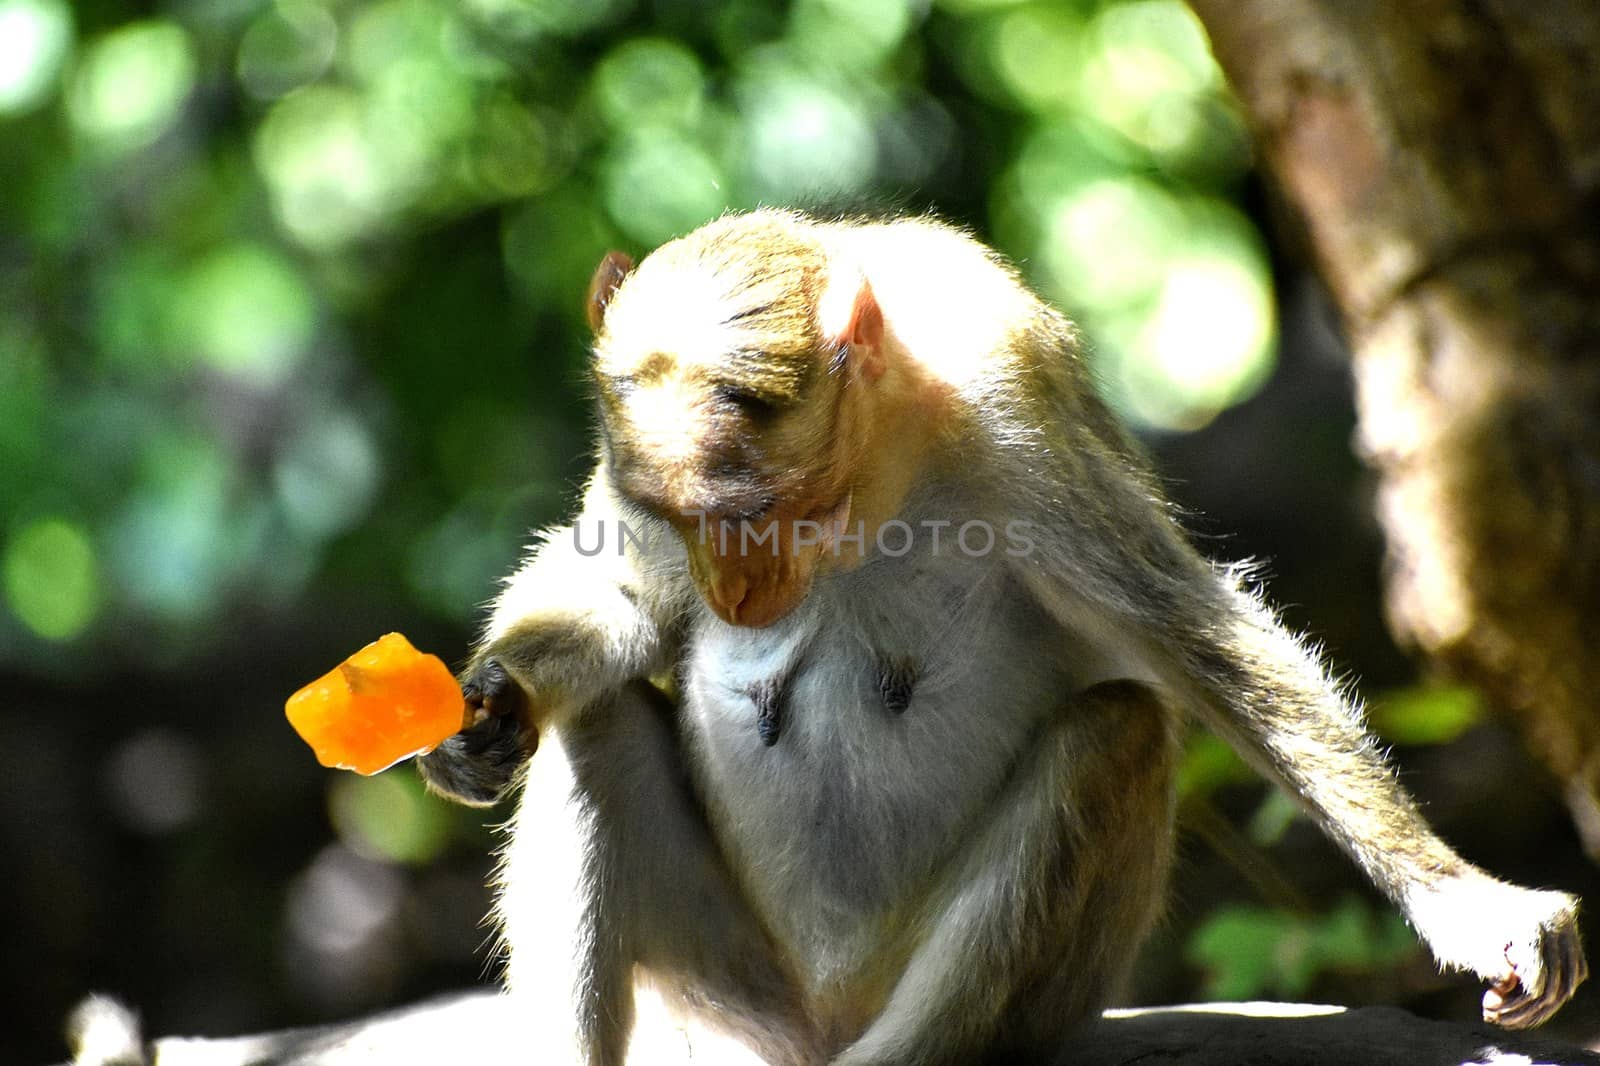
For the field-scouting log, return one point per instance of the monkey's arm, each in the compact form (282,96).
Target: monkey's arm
(594,606)
(1269,696)
(1107,547)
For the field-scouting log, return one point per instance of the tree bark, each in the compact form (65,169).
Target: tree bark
(1443,158)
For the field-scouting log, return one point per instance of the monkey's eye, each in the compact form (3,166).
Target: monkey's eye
(757,408)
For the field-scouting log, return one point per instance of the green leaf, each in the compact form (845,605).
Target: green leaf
(1425,714)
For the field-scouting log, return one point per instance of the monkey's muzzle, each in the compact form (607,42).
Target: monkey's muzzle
(753,573)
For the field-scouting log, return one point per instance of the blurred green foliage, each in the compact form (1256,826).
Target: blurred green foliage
(1426,714)
(1418,714)
(388,817)
(1251,952)
(290,291)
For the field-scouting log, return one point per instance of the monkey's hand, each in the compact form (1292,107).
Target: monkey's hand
(476,765)
(1543,966)
(1524,942)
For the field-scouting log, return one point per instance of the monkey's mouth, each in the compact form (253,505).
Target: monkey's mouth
(756,577)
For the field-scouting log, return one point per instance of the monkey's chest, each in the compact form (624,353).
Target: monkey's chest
(843,752)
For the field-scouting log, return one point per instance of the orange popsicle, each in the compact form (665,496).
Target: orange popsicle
(385,703)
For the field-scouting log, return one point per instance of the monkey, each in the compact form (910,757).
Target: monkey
(857,741)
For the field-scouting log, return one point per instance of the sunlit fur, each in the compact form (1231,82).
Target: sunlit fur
(963,876)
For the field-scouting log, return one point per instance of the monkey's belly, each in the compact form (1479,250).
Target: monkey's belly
(843,752)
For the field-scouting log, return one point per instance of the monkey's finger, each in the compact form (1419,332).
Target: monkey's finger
(1519,985)
(1568,966)
(1517,1009)
(1563,969)
(490,692)
(478,765)
(1526,1012)
(1522,1011)
(472,694)
(1508,983)
(1498,1001)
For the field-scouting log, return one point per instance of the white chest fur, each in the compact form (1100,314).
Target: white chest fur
(840,822)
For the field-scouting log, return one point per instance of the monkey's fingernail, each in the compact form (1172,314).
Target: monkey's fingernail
(1493,1001)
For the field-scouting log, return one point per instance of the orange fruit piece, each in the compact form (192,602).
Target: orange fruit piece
(385,703)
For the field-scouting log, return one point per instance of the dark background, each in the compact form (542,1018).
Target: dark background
(291,354)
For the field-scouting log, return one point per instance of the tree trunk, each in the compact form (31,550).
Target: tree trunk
(1443,157)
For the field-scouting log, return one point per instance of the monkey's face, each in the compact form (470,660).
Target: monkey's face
(756,491)
(731,371)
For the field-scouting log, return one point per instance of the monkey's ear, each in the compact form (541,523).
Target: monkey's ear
(603,286)
(851,318)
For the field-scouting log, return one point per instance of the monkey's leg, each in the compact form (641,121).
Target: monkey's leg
(1035,925)
(610,867)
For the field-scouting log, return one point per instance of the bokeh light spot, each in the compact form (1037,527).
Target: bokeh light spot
(850,35)
(52,581)
(388,817)
(131,82)
(385,33)
(659,184)
(1174,292)
(517,152)
(1164,28)
(970,7)
(288,45)
(806,139)
(1205,336)
(155,781)
(552,243)
(1036,53)
(327,474)
(562,18)
(1209,340)
(1107,242)
(327,186)
(246,312)
(1148,73)
(172,539)
(35,39)
(342,901)
(650,81)
(459,556)
(415,112)
(1057,157)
